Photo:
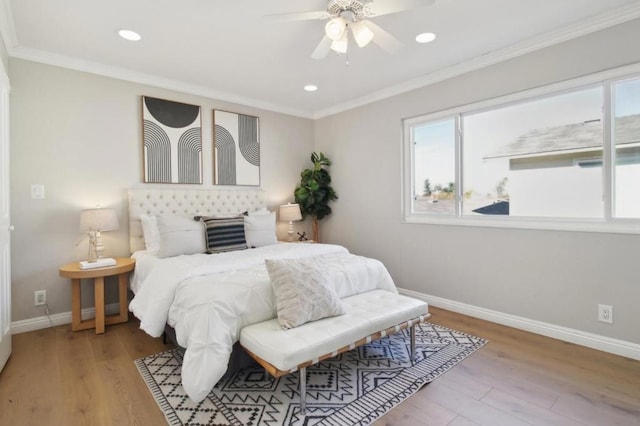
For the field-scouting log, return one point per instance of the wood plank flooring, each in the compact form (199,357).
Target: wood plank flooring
(59,377)
(520,378)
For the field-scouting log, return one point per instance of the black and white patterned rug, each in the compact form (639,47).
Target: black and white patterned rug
(354,388)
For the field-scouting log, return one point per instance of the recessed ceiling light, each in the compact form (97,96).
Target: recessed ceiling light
(310,87)
(425,37)
(129,35)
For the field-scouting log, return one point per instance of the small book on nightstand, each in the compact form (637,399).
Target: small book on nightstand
(100,263)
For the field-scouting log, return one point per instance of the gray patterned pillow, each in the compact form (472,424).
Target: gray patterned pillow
(302,292)
(223,233)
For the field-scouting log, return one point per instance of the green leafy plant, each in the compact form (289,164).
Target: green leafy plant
(314,193)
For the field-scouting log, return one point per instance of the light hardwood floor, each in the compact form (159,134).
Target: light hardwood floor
(59,377)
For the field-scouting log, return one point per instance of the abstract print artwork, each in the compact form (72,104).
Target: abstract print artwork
(236,154)
(172,141)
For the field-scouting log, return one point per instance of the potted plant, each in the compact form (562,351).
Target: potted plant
(314,192)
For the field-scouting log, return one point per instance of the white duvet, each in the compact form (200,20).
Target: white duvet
(209,298)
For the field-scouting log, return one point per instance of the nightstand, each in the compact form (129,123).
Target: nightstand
(122,268)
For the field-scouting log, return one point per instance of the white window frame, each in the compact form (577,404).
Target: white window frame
(608,223)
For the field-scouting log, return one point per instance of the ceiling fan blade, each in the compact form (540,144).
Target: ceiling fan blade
(383,39)
(303,16)
(322,49)
(387,7)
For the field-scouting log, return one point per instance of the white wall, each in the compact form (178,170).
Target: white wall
(549,276)
(81,136)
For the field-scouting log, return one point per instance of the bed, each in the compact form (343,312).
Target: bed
(209,298)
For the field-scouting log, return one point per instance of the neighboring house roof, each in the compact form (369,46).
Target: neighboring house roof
(577,137)
(496,208)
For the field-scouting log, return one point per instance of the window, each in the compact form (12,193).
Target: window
(435,167)
(548,158)
(519,160)
(626,137)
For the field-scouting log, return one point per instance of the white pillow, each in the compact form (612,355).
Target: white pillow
(262,211)
(151,232)
(303,292)
(180,235)
(260,229)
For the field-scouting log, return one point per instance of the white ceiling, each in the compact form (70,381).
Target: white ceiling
(230,50)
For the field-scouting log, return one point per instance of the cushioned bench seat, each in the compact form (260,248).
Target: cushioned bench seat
(368,316)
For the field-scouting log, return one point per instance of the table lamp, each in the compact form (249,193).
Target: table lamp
(290,213)
(95,221)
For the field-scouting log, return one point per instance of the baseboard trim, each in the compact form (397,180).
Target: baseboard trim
(590,340)
(594,341)
(38,323)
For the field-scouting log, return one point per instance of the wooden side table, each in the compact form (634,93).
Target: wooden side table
(122,268)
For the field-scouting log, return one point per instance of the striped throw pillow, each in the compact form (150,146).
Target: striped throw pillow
(223,233)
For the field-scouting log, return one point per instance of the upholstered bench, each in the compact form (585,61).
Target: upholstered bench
(369,316)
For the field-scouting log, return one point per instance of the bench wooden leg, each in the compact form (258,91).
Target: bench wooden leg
(412,332)
(303,390)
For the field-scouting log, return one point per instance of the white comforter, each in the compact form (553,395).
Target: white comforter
(209,298)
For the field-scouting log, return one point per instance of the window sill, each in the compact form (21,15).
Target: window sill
(619,226)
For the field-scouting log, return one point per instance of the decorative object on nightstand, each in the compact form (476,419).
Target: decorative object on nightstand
(302,237)
(94,222)
(290,213)
(122,267)
(314,192)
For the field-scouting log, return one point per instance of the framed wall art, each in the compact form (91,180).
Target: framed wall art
(236,153)
(172,133)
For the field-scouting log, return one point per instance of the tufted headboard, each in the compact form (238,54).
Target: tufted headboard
(218,202)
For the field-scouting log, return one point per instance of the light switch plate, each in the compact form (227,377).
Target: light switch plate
(37,191)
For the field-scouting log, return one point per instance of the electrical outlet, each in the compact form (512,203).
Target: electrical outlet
(40,297)
(605,313)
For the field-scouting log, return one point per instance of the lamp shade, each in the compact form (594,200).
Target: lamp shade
(98,220)
(336,28)
(341,44)
(361,33)
(290,213)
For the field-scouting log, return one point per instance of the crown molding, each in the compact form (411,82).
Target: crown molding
(7,29)
(588,26)
(77,64)
(10,38)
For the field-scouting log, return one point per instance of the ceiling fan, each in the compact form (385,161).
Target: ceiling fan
(354,15)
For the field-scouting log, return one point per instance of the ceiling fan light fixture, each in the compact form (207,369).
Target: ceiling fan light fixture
(361,33)
(336,28)
(341,45)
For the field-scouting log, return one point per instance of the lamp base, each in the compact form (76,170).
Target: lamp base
(290,232)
